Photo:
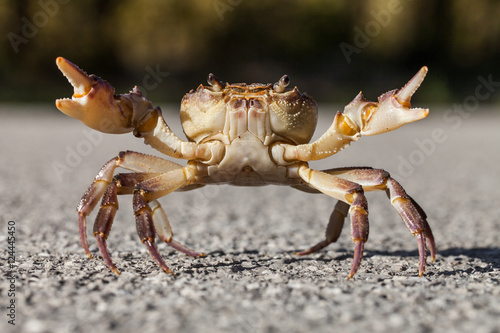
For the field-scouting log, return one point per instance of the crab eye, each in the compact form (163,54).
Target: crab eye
(280,86)
(215,82)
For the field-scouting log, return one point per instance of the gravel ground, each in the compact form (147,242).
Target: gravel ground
(251,281)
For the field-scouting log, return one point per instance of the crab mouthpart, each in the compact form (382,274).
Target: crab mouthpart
(403,96)
(80,81)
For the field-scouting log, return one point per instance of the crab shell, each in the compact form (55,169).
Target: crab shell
(291,115)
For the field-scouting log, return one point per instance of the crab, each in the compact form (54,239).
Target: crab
(238,134)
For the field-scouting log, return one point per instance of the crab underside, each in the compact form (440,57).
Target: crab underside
(239,134)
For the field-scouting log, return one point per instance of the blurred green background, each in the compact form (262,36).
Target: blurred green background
(331,49)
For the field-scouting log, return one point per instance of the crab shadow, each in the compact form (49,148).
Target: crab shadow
(487,255)
(234,261)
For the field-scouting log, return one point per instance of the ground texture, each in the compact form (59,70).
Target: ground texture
(251,281)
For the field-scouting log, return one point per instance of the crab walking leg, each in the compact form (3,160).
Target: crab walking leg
(121,184)
(164,231)
(333,230)
(350,193)
(124,183)
(152,189)
(104,221)
(128,160)
(127,183)
(91,197)
(417,224)
(146,230)
(409,211)
(360,117)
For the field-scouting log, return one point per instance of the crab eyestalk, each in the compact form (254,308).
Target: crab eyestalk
(216,84)
(392,111)
(93,101)
(280,86)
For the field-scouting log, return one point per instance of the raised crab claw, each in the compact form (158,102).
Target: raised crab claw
(239,134)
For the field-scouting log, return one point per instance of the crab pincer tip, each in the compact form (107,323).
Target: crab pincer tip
(77,77)
(404,94)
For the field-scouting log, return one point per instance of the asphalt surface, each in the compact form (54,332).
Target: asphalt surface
(251,281)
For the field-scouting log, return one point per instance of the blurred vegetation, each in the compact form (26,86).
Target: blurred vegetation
(251,41)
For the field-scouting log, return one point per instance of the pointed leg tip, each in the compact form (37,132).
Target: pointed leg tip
(305,252)
(82,229)
(358,256)
(433,254)
(353,271)
(315,248)
(109,263)
(153,250)
(166,269)
(86,249)
(432,248)
(184,249)
(195,254)
(421,269)
(103,248)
